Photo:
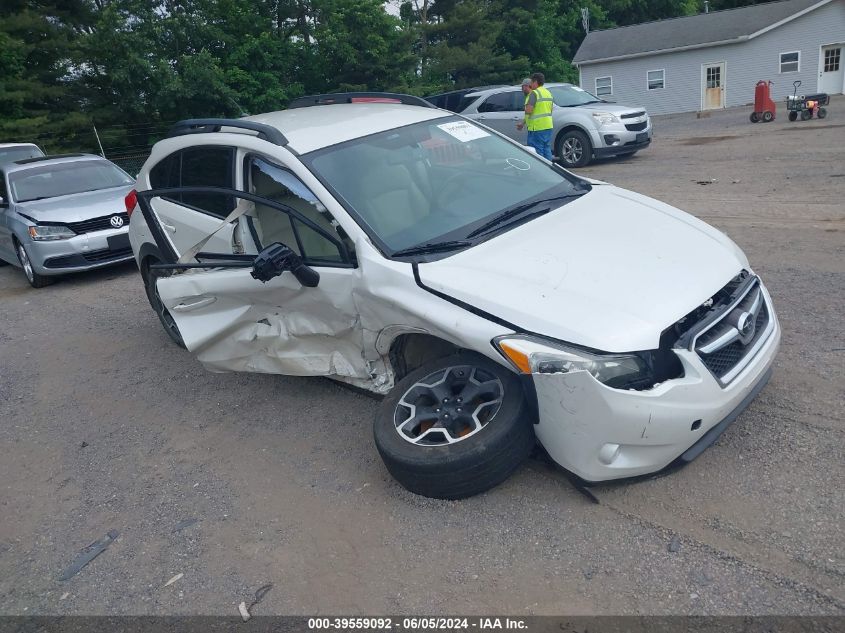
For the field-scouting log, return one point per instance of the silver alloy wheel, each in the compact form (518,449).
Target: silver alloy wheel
(448,406)
(27,265)
(571,150)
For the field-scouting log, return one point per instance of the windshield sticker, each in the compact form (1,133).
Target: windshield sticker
(578,89)
(463,131)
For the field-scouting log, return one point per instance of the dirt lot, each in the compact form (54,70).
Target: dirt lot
(107,426)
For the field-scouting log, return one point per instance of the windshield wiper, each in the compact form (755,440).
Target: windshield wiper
(512,213)
(34,199)
(432,247)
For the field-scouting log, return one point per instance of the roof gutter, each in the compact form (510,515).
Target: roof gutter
(661,51)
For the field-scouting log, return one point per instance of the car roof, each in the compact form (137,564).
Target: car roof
(316,127)
(5,145)
(28,163)
(491,91)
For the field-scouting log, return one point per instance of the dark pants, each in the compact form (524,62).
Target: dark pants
(542,142)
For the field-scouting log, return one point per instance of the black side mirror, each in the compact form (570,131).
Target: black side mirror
(276,259)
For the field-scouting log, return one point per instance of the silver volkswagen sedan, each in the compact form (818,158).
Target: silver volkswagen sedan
(63,214)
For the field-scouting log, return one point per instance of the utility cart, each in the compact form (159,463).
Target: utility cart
(806,106)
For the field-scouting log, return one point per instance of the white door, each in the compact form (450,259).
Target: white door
(831,70)
(713,86)
(232,321)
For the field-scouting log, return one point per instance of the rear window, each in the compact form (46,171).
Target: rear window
(511,101)
(211,166)
(11,154)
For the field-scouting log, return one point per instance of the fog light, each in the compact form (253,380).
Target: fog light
(611,139)
(608,453)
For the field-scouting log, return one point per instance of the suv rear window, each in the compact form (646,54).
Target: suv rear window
(211,166)
(510,101)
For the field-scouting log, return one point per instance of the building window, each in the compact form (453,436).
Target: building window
(604,86)
(831,59)
(790,62)
(656,79)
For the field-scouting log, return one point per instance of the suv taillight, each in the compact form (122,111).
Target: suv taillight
(130,201)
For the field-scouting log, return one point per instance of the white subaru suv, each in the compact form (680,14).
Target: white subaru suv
(492,297)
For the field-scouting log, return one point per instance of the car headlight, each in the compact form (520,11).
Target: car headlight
(605,118)
(532,355)
(48,233)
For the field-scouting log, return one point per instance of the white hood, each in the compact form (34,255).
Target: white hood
(610,271)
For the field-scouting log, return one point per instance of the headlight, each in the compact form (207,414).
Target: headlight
(532,355)
(47,233)
(605,118)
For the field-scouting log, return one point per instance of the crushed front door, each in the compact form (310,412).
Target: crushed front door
(233,322)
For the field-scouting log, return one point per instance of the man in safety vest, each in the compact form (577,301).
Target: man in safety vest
(538,117)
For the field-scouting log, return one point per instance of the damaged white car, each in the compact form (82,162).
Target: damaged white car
(494,298)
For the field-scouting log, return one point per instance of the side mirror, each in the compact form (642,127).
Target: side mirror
(276,259)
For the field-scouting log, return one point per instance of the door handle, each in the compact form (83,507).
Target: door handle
(199,303)
(169,227)
(482,118)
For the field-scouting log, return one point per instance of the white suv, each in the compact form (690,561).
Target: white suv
(491,296)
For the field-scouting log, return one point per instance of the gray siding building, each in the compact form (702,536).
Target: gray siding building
(713,60)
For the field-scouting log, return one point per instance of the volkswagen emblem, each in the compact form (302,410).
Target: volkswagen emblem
(116,221)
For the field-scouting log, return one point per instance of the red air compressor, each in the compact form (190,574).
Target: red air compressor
(764,107)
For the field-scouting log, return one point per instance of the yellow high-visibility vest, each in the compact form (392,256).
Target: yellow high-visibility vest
(541,118)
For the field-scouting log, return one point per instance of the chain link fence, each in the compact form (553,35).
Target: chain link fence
(130,163)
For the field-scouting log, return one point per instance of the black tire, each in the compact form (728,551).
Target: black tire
(166,319)
(470,465)
(768,116)
(754,118)
(793,116)
(806,115)
(35,280)
(573,149)
(822,113)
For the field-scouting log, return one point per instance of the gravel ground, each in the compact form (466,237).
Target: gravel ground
(107,426)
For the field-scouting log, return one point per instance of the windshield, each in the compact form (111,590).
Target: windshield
(568,96)
(11,154)
(434,180)
(62,179)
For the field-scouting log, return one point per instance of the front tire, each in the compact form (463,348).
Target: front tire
(754,117)
(793,116)
(768,116)
(574,149)
(822,113)
(164,316)
(455,427)
(35,280)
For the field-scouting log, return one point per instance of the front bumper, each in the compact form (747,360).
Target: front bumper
(599,433)
(616,150)
(80,253)
(616,139)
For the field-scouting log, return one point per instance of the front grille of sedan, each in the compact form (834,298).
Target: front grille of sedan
(96,224)
(636,127)
(633,115)
(726,351)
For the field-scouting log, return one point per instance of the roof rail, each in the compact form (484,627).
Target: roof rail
(35,159)
(358,97)
(207,126)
